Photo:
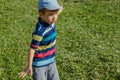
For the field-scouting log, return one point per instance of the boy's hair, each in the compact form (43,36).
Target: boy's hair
(44,10)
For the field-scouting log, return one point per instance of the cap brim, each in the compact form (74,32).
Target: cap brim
(53,7)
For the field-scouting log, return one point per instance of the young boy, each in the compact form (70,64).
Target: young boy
(41,56)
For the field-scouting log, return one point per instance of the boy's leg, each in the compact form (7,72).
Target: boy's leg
(53,72)
(39,73)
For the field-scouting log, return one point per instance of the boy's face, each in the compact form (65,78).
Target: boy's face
(50,17)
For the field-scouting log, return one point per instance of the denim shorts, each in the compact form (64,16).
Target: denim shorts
(48,72)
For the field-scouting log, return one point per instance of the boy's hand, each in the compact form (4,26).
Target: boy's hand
(24,73)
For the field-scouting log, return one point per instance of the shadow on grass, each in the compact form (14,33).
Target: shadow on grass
(103,59)
(117,77)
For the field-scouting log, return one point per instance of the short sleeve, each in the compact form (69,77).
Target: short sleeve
(36,36)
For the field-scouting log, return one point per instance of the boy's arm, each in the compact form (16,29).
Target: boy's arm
(36,38)
(29,65)
(30,57)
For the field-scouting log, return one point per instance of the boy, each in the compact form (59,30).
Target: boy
(41,56)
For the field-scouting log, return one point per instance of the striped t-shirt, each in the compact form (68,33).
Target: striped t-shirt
(44,43)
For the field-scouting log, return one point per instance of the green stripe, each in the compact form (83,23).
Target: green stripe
(50,37)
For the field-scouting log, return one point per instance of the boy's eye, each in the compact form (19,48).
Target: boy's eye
(53,14)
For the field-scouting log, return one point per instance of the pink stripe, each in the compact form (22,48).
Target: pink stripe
(34,46)
(42,55)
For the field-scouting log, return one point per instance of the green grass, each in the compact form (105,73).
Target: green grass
(88,38)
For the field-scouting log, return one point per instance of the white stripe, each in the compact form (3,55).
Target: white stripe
(48,29)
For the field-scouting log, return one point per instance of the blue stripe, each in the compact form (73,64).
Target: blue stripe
(50,32)
(42,59)
(42,43)
(45,62)
(43,65)
(35,42)
(47,42)
(39,29)
(52,36)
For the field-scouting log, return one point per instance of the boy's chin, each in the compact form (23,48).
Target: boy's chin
(52,22)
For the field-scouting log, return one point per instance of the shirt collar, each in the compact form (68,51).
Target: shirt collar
(43,23)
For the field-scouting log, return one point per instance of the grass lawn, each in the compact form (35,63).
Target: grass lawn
(88,38)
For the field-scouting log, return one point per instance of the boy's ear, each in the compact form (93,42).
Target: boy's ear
(59,11)
(40,14)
